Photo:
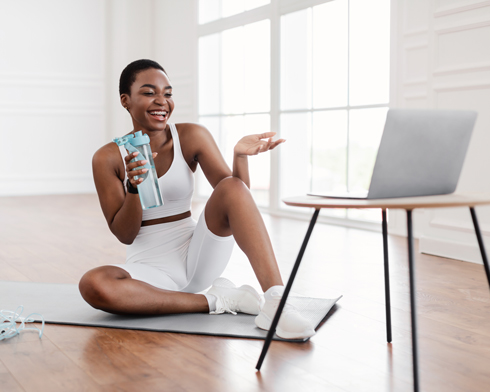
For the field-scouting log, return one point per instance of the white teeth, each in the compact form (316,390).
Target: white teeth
(158,113)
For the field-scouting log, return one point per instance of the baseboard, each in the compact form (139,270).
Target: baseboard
(450,249)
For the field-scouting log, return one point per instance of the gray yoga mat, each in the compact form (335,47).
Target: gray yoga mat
(63,304)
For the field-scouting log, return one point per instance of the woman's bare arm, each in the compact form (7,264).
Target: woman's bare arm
(198,145)
(122,211)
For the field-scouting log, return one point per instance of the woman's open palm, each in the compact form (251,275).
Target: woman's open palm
(253,144)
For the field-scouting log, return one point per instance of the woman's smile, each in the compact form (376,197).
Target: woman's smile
(159,115)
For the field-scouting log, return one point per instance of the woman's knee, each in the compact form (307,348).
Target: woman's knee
(232,187)
(95,284)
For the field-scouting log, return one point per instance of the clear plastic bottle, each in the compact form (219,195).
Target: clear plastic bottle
(148,190)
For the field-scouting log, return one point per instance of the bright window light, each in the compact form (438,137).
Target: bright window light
(210,10)
(234,95)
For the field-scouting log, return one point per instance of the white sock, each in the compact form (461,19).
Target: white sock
(211,301)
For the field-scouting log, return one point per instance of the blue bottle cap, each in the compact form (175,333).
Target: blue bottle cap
(139,139)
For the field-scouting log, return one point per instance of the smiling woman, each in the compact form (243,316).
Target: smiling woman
(170,256)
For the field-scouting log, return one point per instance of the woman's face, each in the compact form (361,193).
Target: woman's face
(150,102)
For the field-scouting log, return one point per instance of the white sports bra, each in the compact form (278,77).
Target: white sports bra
(176,185)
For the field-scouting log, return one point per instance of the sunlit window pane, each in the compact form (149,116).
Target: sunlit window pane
(251,4)
(209,10)
(256,51)
(330,54)
(329,155)
(329,151)
(295,60)
(295,154)
(232,75)
(373,215)
(232,130)
(369,52)
(209,74)
(202,184)
(232,7)
(365,130)
(259,165)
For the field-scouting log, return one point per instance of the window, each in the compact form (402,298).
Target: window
(334,97)
(329,94)
(234,95)
(210,10)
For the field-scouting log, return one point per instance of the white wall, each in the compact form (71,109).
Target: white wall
(60,63)
(441,59)
(176,50)
(51,94)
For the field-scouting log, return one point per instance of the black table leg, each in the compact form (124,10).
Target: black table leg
(413,310)
(272,329)
(387,277)
(480,243)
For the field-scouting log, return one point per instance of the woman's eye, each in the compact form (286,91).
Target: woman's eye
(148,93)
(168,95)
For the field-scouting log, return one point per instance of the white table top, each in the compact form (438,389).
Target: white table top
(406,203)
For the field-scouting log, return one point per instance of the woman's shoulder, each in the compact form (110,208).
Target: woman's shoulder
(190,128)
(107,152)
(192,131)
(108,156)
(194,138)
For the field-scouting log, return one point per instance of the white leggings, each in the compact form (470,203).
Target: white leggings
(179,256)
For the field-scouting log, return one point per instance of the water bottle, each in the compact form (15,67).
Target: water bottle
(148,190)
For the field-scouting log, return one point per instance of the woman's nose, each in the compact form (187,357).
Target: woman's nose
(160,99)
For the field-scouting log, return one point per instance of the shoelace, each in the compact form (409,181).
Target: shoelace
(229,305)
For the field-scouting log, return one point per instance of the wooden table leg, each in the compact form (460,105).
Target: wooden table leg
(387,277)
(272,329)
(413,308)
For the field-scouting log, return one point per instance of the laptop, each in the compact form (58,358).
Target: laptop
(421,154)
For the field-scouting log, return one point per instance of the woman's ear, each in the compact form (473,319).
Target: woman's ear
(125,101)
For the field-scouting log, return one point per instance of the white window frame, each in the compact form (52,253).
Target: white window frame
(273,12)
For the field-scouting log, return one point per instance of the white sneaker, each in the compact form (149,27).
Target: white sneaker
(232,299)
(292,325)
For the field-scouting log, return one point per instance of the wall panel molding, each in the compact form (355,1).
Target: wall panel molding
(462,86)
(465,69)
(455,225)
(52,79)
(23,185)
(413,32)
(462,27)
(54,109)
(464,6)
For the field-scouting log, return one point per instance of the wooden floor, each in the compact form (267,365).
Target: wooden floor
(58,238)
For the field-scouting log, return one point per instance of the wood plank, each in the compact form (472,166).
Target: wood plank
(101,357)
(39,365)
(7,381)
(60,237)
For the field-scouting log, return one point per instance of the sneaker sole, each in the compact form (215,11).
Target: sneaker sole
(263,322)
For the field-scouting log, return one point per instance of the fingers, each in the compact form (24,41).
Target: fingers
(130,166)
(276,143)
(269,145)
(266,135)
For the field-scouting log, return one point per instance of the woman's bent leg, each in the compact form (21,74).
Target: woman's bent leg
(111,289)
(232,210)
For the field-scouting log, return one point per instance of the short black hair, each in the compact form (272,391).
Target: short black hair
(128,75)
